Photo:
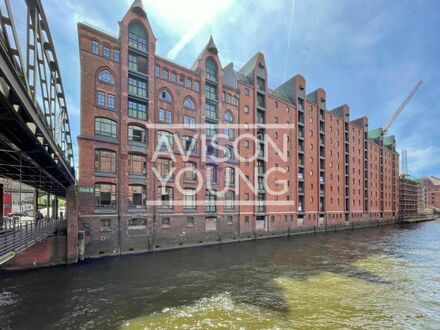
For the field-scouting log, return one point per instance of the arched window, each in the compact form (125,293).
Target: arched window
(165,96)
(211,69)
(105,127)
(106,77)
(228,117)
(137,37)
(137,133)
(189,104)
(165,140)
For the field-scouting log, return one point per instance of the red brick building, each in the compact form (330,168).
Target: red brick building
(432,188)
(149,170)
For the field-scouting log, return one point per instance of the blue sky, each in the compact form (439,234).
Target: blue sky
(368,54)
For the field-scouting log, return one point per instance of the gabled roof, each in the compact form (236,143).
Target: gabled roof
(339,111)
(248,68)
(287,89)
(230,76)
(211,47)
(277,94)
(138,8)
(433,180)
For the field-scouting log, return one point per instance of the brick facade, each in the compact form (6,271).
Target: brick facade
(332,172)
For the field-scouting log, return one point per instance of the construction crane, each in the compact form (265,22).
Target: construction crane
(402,106)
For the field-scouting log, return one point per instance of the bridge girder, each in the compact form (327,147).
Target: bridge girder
(34,125)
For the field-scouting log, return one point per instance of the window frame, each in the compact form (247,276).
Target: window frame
(107,122)
(98,160)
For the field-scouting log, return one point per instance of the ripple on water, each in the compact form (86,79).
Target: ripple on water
(325,300)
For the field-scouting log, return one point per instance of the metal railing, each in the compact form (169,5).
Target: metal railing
(16,237)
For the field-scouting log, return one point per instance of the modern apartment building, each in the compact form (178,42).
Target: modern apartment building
(284,162)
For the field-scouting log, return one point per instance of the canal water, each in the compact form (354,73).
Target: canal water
(385,277)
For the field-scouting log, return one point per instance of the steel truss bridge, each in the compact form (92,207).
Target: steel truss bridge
(35,137)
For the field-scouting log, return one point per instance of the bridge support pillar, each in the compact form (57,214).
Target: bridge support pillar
(72,225)
(35,202)
(1,200)
(48,206)
(54,207)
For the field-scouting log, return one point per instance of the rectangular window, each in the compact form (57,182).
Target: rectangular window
(211,111)
(189,144)
(165,74)
(137,110)
(106,127)
(166,222)
(117,55)
(166,198)
(165,116)
(190,171)
(106,52)
(196,86)
(229,176)
(105,196)
(211,202)
(95,47)
(157,71)
(190,221)
(229,220)
(136,165)
(137,87)
(105,225)
(164,167)
(137,63)
(137,41)
(189,198)
(105,161)
(173,77)
(100,99)
(211,174)
(246,91)
(211,129)
(137,196)
(229,200)
(132,62)
(189,122)
(111,102)
(211,92)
